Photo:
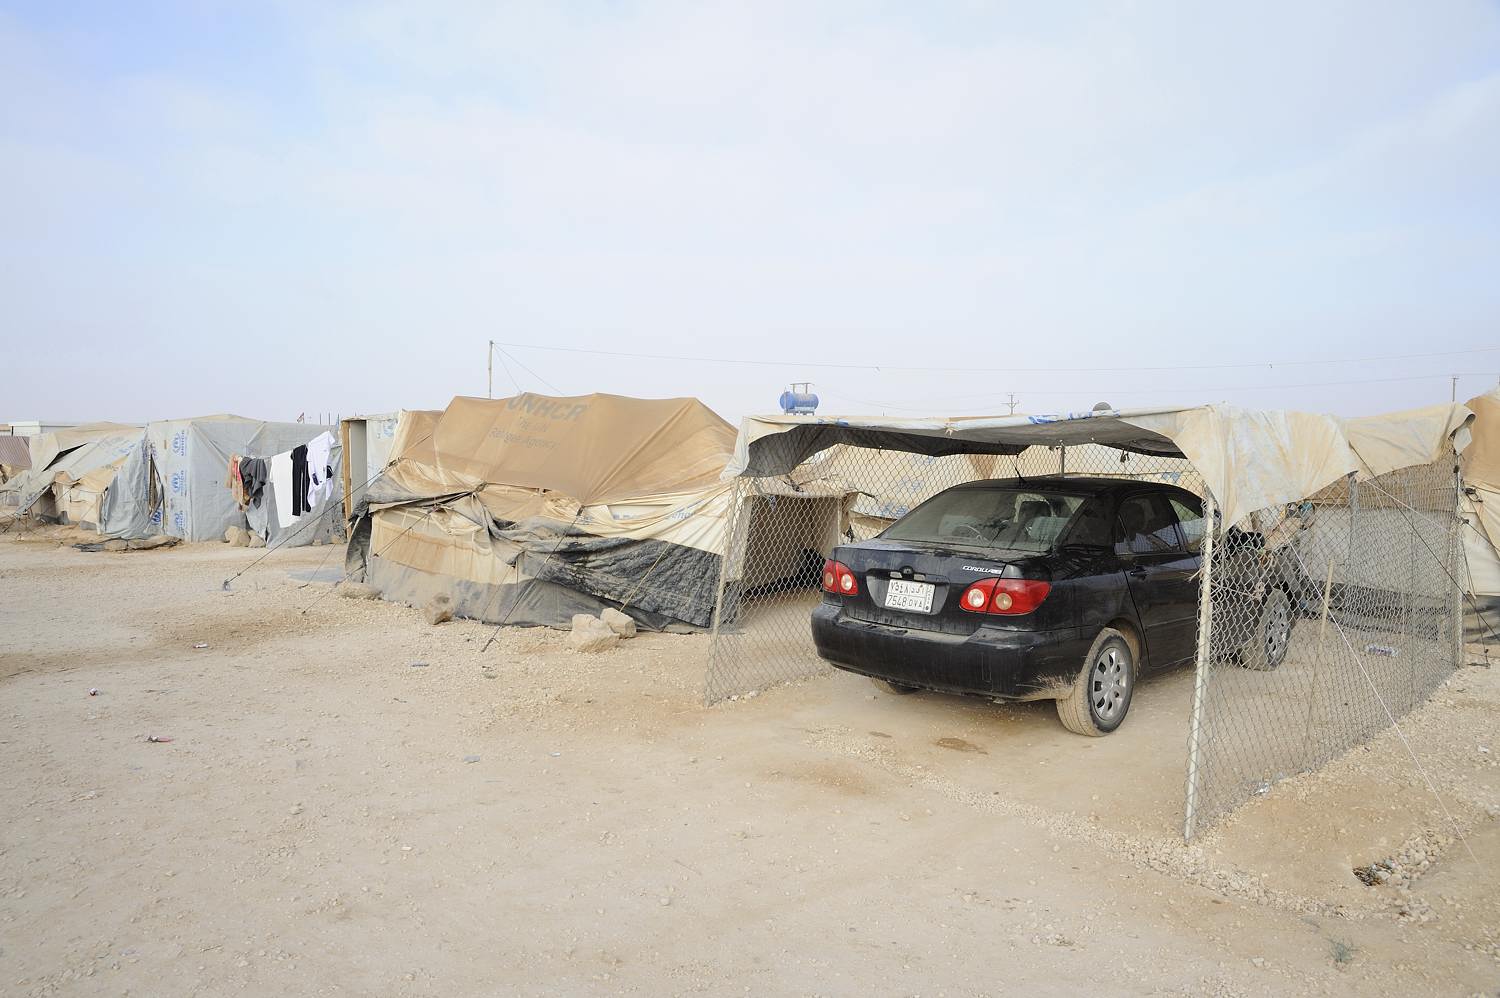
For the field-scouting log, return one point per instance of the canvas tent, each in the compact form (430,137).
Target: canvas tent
(69,469)
(1480,504)
(534,508)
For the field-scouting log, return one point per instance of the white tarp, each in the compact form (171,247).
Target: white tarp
(1249,459)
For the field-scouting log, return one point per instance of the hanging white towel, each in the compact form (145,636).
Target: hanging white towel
(281,487)
(319,486)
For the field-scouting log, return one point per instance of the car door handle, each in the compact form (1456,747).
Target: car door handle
(1136,571)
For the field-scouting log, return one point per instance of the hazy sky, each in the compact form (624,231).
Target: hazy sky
(286,207)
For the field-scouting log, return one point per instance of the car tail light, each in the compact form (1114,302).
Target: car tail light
(1008,597)
(976,598)
(1014,596)
(837,579)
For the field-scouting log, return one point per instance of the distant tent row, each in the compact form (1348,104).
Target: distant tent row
(168,477)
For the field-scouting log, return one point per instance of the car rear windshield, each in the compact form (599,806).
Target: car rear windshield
(1016,519)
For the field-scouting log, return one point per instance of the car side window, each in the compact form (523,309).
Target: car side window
(1091,526)
(1190,522)
(1145,525)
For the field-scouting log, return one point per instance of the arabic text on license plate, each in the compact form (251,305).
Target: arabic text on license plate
(916,596)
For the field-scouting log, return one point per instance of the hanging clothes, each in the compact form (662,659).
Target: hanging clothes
(254,473)
(281,488)
(320,468)
(234,483)
(300,480)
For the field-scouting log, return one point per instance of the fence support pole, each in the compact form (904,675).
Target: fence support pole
(732,553)
(1200,675)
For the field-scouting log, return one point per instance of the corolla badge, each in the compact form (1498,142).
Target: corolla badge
(986,571)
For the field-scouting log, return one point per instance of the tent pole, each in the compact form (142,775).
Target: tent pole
(1200,676)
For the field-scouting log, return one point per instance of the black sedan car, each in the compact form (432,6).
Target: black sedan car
(1057,588)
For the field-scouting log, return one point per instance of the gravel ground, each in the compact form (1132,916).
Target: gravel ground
(330,817)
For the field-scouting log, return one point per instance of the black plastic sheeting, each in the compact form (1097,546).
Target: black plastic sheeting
(564,571)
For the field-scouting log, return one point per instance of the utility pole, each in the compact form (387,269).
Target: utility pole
(1453,395)
(489,362)
(1012,403)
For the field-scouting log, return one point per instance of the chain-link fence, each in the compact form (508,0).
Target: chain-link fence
(1326,619)
(1331,619)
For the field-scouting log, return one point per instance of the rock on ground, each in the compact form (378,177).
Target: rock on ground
(257,541)
(439,609)
(590,634)
(237,537)
(116,545)
(359,590)
(621,623)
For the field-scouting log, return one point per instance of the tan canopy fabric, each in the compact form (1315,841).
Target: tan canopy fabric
(15,454)
(1481,471)
(1249,459)
(591,448)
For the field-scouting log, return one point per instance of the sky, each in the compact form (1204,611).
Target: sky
(922,209)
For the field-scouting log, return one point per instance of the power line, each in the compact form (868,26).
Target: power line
(1268,365)
(1196,389)
(555,389)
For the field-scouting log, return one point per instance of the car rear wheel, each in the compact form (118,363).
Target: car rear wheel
(890,687)
(1267,647)
(1101,693)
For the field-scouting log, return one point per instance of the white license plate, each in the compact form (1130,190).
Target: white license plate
(900,595)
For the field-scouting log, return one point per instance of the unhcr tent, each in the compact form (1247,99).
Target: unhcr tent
(531,509)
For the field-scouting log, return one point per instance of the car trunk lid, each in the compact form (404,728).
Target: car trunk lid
(912,565)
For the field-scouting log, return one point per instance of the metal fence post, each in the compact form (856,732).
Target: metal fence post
(1200,677)
(733,552)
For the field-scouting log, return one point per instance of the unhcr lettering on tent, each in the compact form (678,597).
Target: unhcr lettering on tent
(521,440)
(538,405)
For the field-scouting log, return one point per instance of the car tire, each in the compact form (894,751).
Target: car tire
(889,687)
(1267,648)
(1101,694)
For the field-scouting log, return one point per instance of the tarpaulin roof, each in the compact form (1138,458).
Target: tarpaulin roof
(591,448)
(46,448)
(1249,459)
(15,453)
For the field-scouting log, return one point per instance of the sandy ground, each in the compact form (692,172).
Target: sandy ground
(331,818)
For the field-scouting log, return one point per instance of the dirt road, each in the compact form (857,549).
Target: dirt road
(332,817)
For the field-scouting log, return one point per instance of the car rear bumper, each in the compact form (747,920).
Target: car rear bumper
(990,662)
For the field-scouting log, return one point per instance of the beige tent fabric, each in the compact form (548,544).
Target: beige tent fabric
(1249,459)
(1481,459)
(45,448)
(1396,440)
(594,448)
(1481,470)
(591,448)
